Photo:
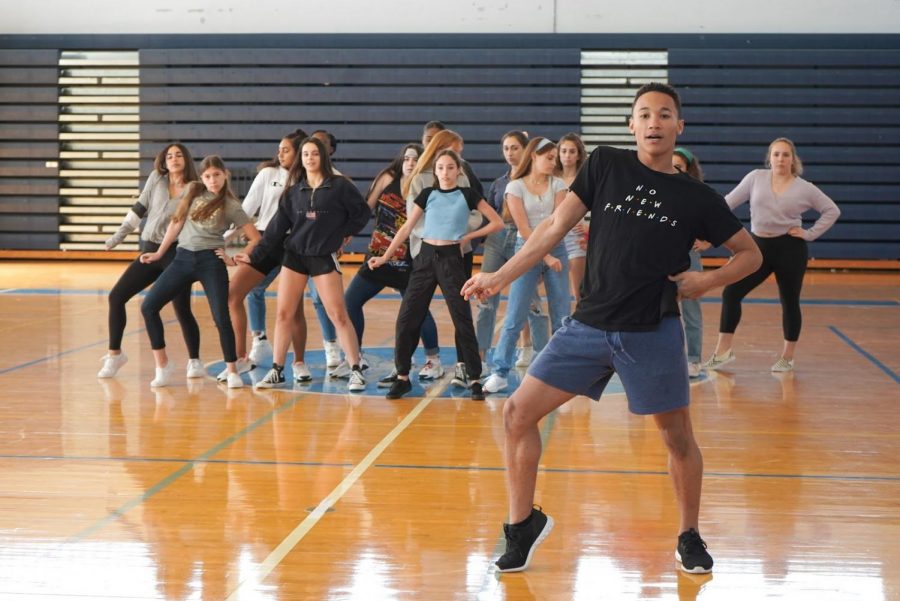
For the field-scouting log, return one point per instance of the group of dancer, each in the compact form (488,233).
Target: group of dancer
(650,217)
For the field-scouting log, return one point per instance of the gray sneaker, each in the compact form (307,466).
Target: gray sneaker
(717,361)
(460,378)
(388,380)
(783,365)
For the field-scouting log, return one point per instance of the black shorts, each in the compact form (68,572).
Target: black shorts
(311,265)
(272,260)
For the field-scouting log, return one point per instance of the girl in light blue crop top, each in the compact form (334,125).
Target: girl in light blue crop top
(445,208)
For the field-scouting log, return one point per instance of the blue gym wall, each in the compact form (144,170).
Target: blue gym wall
(836,95)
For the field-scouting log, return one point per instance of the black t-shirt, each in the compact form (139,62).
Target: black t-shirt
(643,225)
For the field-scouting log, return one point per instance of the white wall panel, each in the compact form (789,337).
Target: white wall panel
(449,16)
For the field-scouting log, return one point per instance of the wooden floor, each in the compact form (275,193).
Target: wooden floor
(109,490)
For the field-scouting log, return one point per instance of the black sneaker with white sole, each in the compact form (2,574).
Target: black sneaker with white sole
(522,539)
(691,553)
(273,379)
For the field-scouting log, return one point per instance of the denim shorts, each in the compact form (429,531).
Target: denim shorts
(652,365)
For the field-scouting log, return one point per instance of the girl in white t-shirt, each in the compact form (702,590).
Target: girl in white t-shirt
(250,280)
(531,196)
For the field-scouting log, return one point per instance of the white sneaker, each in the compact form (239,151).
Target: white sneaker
(332,354)
(694,370)
(783,365)
(357,382)
(195,369)
(163,375)
(260,352)
(432,369)
(524,356)
(111,364)
(301,372)
(717,361)
(343,369)
(235,381)
(241,365)
(495,383)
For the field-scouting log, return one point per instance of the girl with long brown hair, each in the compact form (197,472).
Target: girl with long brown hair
(173,170)
(318,213)
(204,214)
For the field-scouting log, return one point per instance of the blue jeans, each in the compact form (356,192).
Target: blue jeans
(693,319)
(256,302)
(188,267)
(499,248)
(521,292)
(329,334)
(361,290)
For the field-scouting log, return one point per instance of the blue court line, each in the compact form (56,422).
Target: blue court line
(49,357)
(866,354)
(74,350)
(120,511)
(394,296)
(562,470)
(203,459)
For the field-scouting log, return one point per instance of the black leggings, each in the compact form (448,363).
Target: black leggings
(137,277)
(786,257)
(433,266)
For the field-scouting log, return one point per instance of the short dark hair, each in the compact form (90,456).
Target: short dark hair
(332,141)
(662,88)
(434,125)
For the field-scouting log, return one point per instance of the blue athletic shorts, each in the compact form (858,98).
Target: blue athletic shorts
(652,365)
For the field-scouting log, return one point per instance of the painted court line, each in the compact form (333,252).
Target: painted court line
(73,350)
(280,552)
(187,467)
(452,468)
(837,302)
(866,354)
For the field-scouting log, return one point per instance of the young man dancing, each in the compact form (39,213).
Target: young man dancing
(645,217)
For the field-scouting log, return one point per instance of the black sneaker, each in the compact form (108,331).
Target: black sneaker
(459,376)
(522,539)
(477,391)
(388,380)
(398,389)
(691,553)
(273,379)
